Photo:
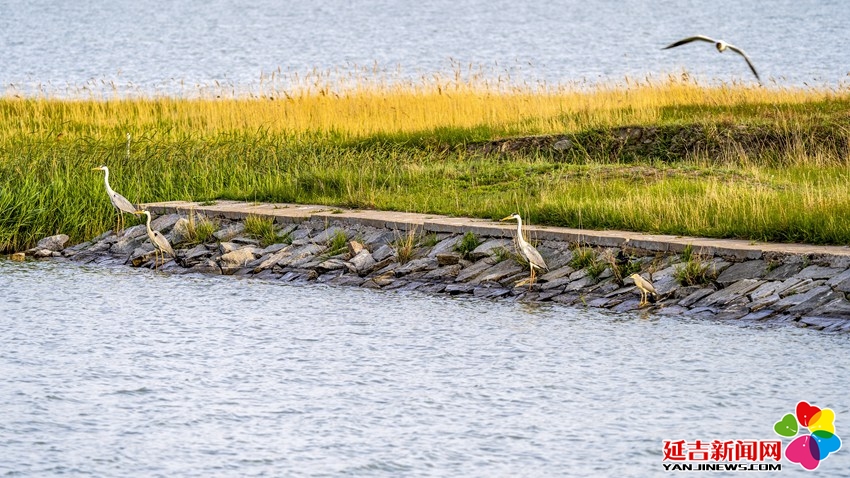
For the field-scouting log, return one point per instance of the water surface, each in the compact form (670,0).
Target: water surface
(123,372)
(154,47)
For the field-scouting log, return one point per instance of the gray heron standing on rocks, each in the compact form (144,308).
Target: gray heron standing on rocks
(535,260)
(118,201)
(720,45)
(159,242)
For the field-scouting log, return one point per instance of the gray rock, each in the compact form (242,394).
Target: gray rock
(732,313)
(769,288)
(483,292)
(562,145)
(758,315)
(291,256)
(126,245)
(489,248)
(558,273)
(416,265)
(797,299)
(354,248)
(378,238)
(554,284)
(734,293)
(383,252)
(819,323)
(349,280)
(800,286)
(448,258)
(41,253)
(330,265)
(53,243)
(459,288)
(742,270)
(228,232)
(274,248)
(664,280)
(165,222)
(325,236)
(472,271)
(764,302)
(138,230)
(225,247)
(815,301)
(579,284)
(685,291)
(245,241)
(818,272)
(784,271)
(363,262)
(444,272)
(696,296)
(839,307)
(446,246)
(579,274)
(497,272)
(239,257)
(207,266)
(841,282)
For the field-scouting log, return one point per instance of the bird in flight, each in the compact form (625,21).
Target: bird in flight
(720,45)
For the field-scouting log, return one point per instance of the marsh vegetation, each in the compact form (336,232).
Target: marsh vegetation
(670,157)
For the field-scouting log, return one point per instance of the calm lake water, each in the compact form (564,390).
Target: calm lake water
(124,372)
(144,46)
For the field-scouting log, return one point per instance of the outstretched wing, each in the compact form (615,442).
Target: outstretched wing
(122,203)
(741,52)
(162,243)
(690,39)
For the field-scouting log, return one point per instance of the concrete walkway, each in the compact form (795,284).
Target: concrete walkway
(296,213)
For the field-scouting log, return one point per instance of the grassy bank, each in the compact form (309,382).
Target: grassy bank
(669,157)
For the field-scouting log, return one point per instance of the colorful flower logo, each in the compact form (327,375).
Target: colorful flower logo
(810,449)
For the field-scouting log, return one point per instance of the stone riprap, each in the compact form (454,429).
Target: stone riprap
(694,277)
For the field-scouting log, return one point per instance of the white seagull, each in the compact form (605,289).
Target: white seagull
(720,45)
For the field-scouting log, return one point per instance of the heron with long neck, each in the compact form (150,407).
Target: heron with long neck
(159,242)
(535,260)
(119,202)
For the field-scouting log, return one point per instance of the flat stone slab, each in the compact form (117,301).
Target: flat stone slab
(282,212)
(742,270)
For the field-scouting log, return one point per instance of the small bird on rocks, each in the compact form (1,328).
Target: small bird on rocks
(646,289)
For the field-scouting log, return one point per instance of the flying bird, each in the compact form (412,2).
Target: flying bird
(646,288)
(535,260)
(118,201)
(721,47)
(159,242)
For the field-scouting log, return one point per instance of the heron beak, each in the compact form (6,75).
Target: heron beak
(95,169)
(506,218)
(138,212)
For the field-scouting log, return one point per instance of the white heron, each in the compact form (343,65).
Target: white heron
(720,45)
(535,260)
(118,201)
(159,242)
(646,288)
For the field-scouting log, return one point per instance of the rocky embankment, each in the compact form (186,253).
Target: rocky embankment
(806,290)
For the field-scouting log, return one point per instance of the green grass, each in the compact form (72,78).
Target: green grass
(263,229)
(199,229)
(467,244)
(725,164)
